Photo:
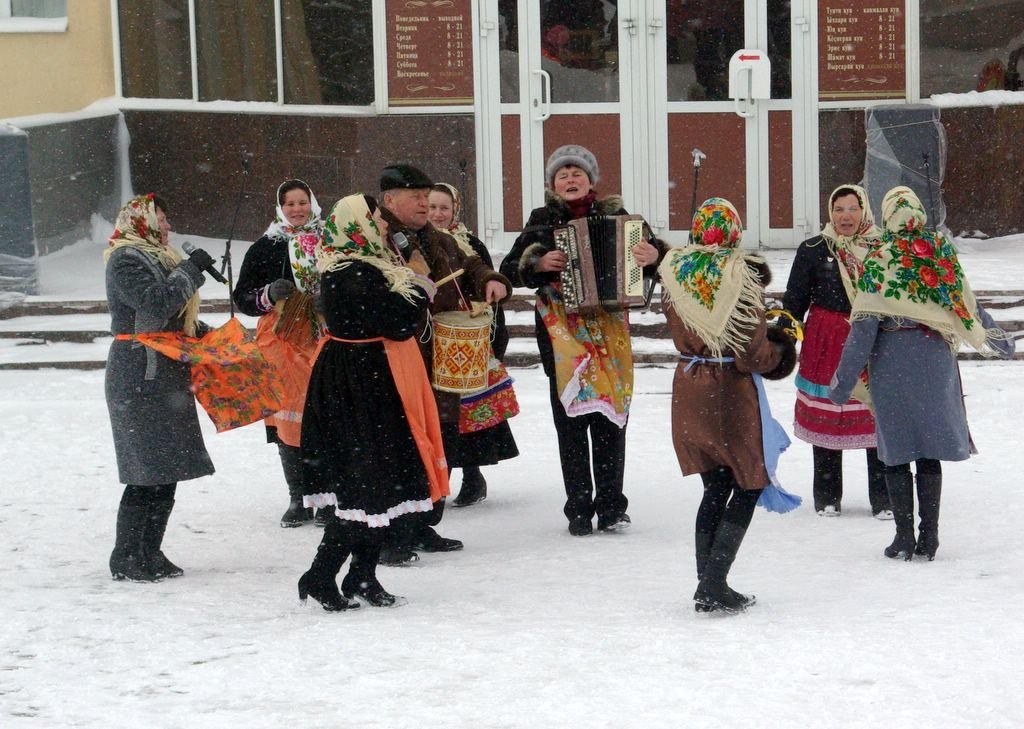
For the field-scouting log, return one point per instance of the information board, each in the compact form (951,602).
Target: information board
(861,50)
(430,52)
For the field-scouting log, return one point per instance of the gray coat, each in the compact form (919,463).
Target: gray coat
(915,388)
(152,410)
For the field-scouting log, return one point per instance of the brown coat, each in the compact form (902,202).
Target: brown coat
(715,416)
(444,256)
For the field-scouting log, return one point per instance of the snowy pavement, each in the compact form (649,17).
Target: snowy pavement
(528,627)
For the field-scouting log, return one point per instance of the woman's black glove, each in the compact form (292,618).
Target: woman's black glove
(201,259)
(280,289)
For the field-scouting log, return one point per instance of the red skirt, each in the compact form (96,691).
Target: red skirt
(818,420)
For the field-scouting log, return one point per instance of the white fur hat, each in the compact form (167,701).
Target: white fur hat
(575,155)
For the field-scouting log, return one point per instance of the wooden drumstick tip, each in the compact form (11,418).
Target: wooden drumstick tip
(450,277)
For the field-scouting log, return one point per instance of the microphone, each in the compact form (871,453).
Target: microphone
(246,159)
(214,273)
(401,241)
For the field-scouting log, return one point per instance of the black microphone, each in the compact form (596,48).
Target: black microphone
(214,273)
(246,159)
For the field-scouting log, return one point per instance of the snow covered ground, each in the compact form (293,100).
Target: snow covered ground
(528,627)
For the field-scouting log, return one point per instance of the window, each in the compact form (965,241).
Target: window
(326,51)
(155,53)
(33,16)
(967,45)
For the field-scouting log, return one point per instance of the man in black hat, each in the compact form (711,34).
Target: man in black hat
(403,203)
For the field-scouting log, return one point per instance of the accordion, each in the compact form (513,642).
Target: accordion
(600,272)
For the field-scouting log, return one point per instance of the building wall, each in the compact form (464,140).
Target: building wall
(195,161)
(58,72)
(982,188)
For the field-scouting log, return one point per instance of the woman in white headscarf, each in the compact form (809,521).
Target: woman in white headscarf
(281,265)
(821,288)
(913,311)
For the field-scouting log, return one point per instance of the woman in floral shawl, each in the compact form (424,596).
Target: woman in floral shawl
(821,288)
(157,440)
(715,310)
(371,437)
(281,267)
(913,311)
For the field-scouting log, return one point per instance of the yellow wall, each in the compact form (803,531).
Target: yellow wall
(59,72)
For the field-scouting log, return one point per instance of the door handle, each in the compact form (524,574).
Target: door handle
(543,104)
(744,106)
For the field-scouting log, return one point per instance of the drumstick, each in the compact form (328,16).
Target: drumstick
(450,277)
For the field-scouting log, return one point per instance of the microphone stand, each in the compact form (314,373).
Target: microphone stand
(697,157)
(226,258)
(933,214)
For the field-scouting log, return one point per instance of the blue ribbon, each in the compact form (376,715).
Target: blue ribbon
(696,359)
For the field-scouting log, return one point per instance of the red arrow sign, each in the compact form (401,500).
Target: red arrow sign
(749,58)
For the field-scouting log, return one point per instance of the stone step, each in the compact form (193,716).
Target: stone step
(652,345)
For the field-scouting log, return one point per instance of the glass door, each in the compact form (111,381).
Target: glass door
(705,146)
(561,67)
(644,85)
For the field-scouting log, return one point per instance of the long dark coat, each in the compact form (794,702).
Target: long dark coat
(152,410)
(356,441)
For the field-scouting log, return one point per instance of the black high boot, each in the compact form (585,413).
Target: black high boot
(128,561)
(713,593)
(474,487)
(291,464)
(361,581)
(702,546)
(901,495)
(153,538)
(878,494)
(320,580)
(929,495)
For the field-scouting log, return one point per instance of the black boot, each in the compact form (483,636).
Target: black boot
(291,464)
(901,495)
(320,581)
(361,581)
(474,487)
(153,538)
(702,544)
(428,540)
(929,495)
(713,593)
(128,561)
(878,494)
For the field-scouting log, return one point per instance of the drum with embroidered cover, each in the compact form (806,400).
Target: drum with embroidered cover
(461,351)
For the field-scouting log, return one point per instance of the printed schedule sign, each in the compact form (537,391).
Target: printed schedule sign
(861,50)
(430,52)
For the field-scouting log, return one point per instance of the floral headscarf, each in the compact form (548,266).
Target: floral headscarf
(350,235)
(457,228)
(137,227)
(914,275)
(851,250)
(301,239)
(708,282)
